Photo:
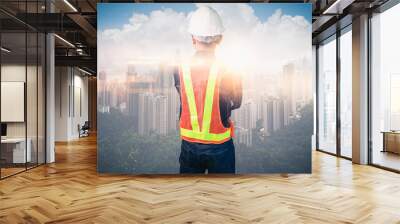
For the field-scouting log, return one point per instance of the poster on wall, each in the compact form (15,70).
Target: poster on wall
(204,88)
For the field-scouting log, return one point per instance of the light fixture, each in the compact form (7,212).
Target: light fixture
(84,71)
(5,50)
(70,5)
(65,41)
(331,7)
(338,6)
(80,51)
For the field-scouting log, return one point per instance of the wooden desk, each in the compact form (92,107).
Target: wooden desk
(391,141)
(16,147)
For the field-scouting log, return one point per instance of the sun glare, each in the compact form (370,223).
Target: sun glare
(236,57)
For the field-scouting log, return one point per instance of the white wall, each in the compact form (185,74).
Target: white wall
(17,73)
(11,73)
(80,84)
(34,125)
(62,81)
(70,83)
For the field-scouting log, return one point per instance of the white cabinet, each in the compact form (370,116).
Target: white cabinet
(19,154)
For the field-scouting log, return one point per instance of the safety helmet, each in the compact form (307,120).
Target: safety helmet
(205,22)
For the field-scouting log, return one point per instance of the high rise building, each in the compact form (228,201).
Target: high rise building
(161,107)
(267,116)
(289,90)
(278,114)
(245,121)
(103,94)
(144,114)
(173,110)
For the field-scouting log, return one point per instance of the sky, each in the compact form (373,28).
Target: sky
(259,38)
(114,15)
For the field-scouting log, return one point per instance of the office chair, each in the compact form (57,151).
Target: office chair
(84,130)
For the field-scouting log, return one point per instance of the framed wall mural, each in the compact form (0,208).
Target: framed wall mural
(204,88)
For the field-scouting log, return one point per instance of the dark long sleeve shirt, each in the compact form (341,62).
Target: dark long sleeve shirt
(230,94)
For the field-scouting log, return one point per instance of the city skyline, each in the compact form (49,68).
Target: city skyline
(152,102)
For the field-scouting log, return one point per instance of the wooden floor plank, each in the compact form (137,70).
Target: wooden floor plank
(71,191)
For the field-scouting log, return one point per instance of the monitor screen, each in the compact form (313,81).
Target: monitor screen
(3,129)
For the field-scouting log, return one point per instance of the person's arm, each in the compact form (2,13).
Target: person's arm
(177,80)
(234,92)
(177,83)
(230,95)
(237,92)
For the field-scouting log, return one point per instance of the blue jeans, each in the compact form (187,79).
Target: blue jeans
(215,158)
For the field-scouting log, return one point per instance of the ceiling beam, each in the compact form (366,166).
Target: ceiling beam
(84,24)
(338,6)
(81,61)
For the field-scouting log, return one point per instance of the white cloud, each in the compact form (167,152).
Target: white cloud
(261,46)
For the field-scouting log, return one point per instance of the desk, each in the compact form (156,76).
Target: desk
(16,147)
(391,141)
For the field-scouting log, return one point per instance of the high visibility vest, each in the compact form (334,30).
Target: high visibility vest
(211,130)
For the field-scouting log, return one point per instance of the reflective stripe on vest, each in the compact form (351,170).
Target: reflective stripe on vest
(203,134)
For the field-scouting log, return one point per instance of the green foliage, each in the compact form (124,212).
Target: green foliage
(287,150)
(122,150)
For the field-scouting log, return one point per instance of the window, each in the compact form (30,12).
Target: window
(327,95)
(14,155)
(385,89)
(22,87)
(328,98)
(394,101)
(346,93)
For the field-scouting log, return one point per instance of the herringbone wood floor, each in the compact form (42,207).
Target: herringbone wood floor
(70,191)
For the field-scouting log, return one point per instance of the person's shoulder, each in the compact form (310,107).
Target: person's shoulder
(222,67)
(228,71)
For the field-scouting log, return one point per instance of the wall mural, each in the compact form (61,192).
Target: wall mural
(204,88)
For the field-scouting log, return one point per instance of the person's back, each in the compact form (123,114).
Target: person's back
(208,95)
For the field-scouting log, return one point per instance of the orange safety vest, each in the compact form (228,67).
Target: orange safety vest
(200,105)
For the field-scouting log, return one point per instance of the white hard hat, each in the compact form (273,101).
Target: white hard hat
(205,21)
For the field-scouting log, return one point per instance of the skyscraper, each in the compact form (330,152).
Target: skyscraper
(103,94)
(278,114)
(161,107)
(173,110)
(245,121)
(289,91)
